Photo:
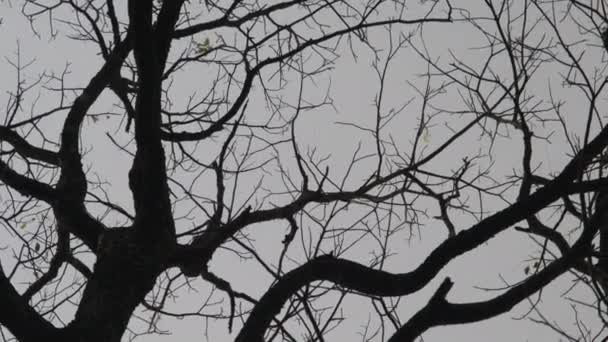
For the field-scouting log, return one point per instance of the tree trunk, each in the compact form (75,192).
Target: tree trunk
(125,272)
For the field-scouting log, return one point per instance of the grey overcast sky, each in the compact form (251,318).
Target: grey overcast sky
(332,134)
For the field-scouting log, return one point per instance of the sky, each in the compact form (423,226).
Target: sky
(336,131)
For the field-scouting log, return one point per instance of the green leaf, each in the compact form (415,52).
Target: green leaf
(204,47)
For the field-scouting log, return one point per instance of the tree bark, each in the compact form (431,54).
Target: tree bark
(125,272)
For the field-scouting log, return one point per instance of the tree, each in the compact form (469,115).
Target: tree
(225,115)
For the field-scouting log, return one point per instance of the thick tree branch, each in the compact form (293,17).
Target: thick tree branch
(72,182)
(147,178)
(199,252)
(165,27)
(25,149)
(72,185)
(20,318)
(25,185)
(373,282)
(245,48)
(439,311)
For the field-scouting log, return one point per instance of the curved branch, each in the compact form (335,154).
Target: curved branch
(219,124)
(439,311)
(72,182)
(72,185)
(374,282)
(247,83)
(192,258)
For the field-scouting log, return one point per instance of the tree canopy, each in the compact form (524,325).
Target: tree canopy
(302,170)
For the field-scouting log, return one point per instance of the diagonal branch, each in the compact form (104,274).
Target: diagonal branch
(63,250)
(375,282)
(25,185)
(20,318)
(194,256)
(439,311)
(25,149)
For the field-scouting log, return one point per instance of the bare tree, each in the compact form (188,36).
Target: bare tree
(213,104)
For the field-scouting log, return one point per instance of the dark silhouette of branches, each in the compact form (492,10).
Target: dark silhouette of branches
(240,184)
